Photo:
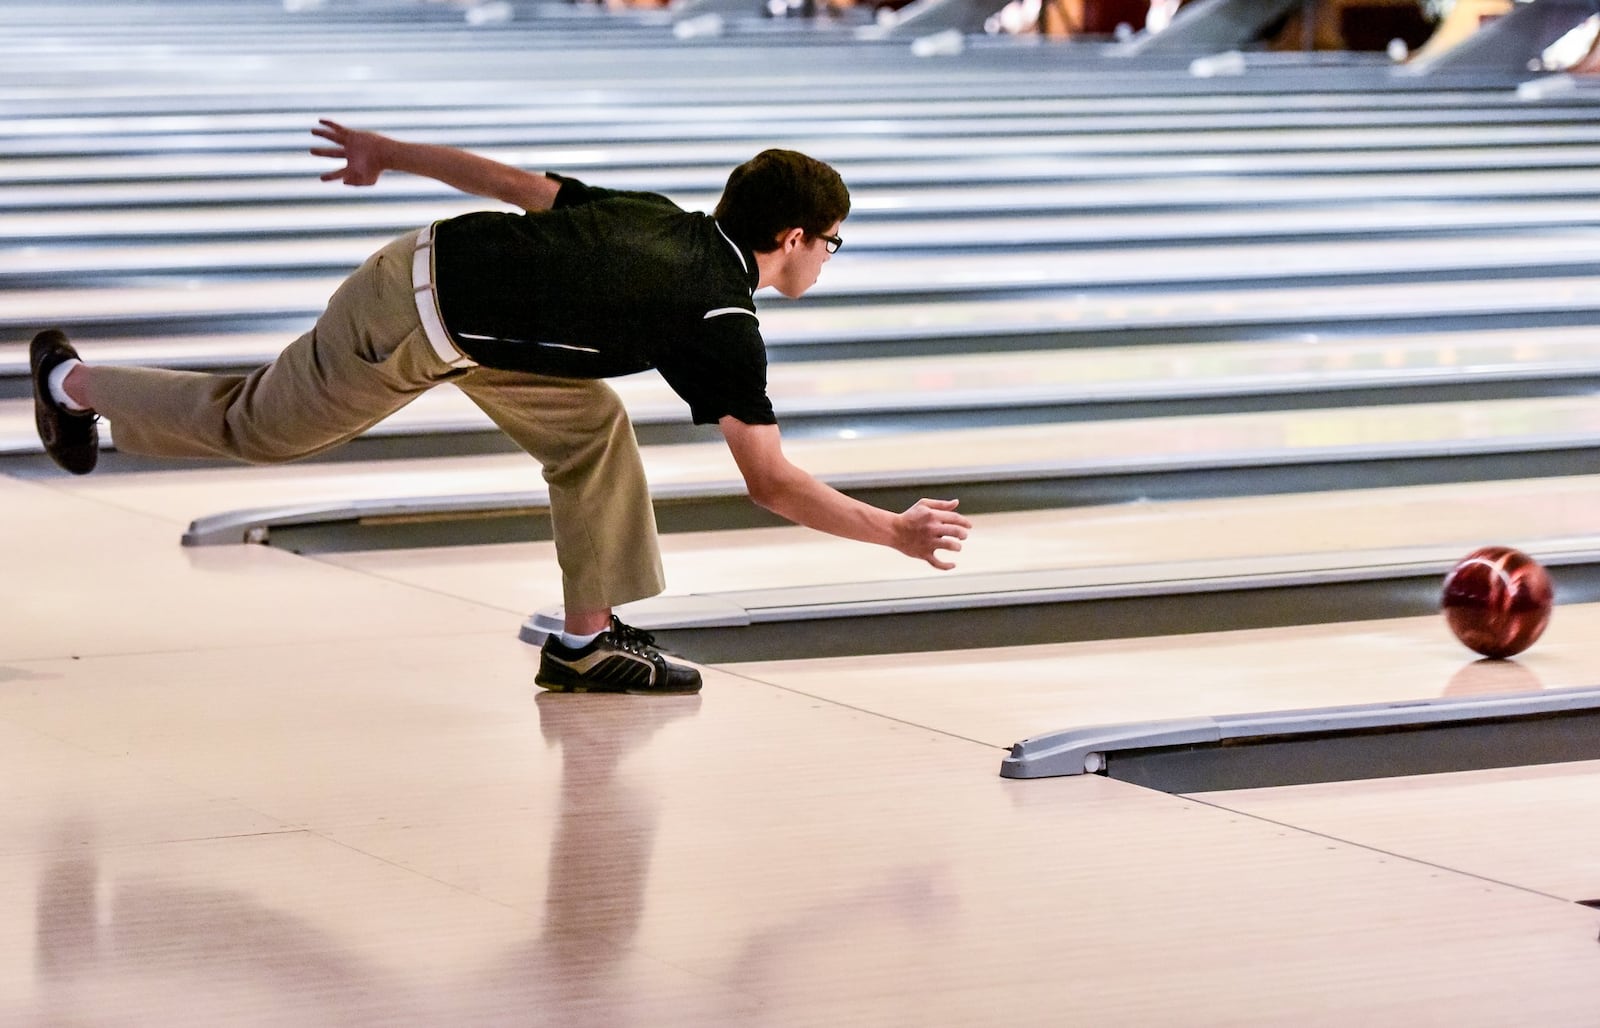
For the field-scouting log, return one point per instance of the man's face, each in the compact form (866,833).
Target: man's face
(804,260)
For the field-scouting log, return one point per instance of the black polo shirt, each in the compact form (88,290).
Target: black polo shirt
(608,283)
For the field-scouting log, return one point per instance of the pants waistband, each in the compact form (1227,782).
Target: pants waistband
(428,304)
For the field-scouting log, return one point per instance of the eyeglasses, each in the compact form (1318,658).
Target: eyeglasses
(832,242)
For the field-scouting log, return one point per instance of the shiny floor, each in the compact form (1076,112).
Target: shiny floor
(246,787)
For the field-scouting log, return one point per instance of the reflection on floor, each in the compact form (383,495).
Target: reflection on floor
(243,787)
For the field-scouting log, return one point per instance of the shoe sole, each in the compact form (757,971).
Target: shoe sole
(550,685)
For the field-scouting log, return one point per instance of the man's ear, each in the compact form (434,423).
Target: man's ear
(791,238)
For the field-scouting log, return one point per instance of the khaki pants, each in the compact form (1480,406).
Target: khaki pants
(367,357)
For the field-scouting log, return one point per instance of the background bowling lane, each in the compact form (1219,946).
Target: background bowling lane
(1304,364)
(998,696)
(1101,447)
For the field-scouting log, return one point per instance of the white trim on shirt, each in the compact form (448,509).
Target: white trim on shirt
(736,251)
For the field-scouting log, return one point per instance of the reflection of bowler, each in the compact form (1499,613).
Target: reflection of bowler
(525,313)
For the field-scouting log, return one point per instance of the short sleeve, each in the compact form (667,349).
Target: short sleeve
(721,370)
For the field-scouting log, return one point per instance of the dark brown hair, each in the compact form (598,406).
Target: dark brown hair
(777,190)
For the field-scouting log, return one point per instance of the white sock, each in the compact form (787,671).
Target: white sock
(57,381)
(577,642)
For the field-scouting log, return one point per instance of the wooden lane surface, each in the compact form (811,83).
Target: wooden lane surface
(985,380)
(1001,695)
(638,905)
(1024,73)
(346,771)
(389,811)
(1071,114)
(1523,826)
(365,859)
(977,454)
(1252,132)
(619,65)
(122,587)
(1130,212)
(870,276)
(351,211)
(62,185)
(1060,311)
(435,50)
(1519,827)
(1287,149)
(1142,177)
(316,251)
(556,112)
(982,98)
(1116,541)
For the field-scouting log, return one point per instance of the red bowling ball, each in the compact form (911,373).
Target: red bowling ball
(1497,601)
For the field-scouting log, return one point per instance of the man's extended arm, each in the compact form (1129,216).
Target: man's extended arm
(368,155)
(925,528)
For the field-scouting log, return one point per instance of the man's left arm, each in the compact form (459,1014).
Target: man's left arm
(921,531)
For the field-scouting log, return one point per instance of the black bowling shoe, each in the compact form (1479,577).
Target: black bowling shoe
(70,437)
(620,659)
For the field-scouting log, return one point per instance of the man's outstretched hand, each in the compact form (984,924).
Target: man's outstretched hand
(362,153)
(929,526)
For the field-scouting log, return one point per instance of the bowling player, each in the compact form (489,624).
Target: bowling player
(527,313)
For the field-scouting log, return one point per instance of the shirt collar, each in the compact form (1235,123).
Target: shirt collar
(751,271)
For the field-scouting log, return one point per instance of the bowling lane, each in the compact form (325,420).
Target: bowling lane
(646,106)
(788,323)
(226,740)
(371,210)
(521,576)
(300,184)
(73,181)
(1164,156)
(1020,73)
(1000,695)
(1502,147)
(610,820)
(990,381)
(712,119)
(1530,827)
(1387,125)
(977,454)
(1048,77)
(997,696)
(80,264)
(93,579)
(1156,267)
(862,274)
